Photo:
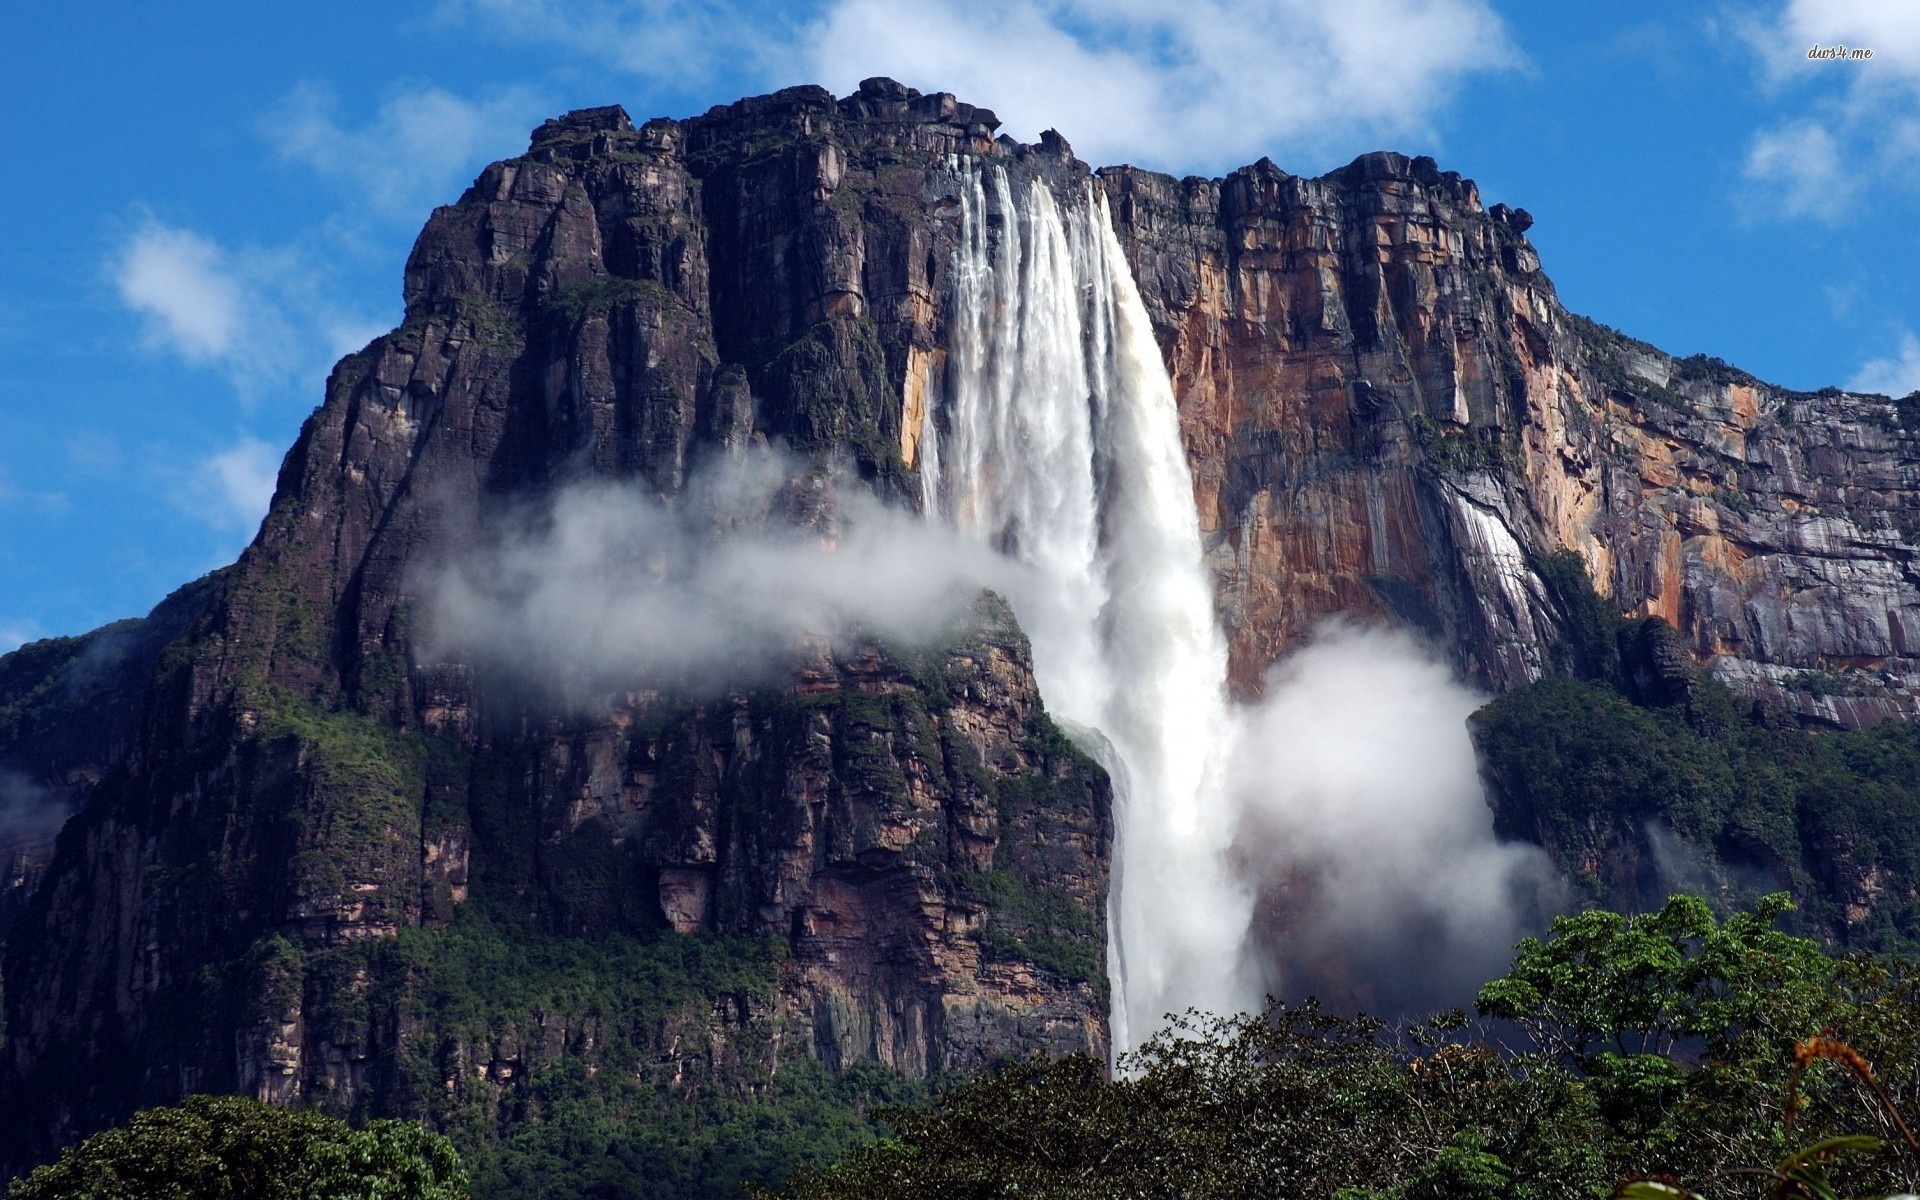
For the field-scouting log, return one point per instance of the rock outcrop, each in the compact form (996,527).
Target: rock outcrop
(282,784)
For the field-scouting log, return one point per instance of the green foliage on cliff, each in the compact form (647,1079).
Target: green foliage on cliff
(34,691)
(1037,924)
(233,1148)
(604,1067)
(1659,1044)
(1640,775)
(1755,804)
(359,816)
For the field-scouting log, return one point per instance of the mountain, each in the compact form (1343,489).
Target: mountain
(316,857)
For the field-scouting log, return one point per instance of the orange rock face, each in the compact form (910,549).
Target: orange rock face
(1391,417)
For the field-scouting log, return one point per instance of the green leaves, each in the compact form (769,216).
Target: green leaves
(1606,984)
(233,1148)
(1665,1044)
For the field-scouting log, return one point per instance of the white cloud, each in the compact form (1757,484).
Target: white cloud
(264,318)
(29,813)
(15,634)
(602,585)
(660,41)
(1361,806)
(1896,375)
(1179,84)
(1854,124)
(1799,172)
(230,490)
(183,286)
(1176,83)
(412,152)
(1889,28)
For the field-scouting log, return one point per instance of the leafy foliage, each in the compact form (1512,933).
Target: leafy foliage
(233,1148)
(1755,804)
(1659,1044)
(602,1067)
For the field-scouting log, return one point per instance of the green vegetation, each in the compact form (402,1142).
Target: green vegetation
(233,1148)
(34,689)
(1038,924)
(1458,451)
(1600,764)
(602,1067)
(1659,1045)
(1759,802)
(831,388)
(596,295)
(359,817)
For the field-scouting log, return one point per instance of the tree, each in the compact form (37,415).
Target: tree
(234,1148)
(1654,1044)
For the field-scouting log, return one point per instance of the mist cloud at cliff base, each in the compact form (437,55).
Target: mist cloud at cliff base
(1363,826)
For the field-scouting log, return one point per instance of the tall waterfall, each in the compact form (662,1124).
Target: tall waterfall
(1061,447)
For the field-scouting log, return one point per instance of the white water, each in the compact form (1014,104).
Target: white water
(1062,448)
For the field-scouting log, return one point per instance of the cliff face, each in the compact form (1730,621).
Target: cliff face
(292,816)
(1389,412)
(294,786)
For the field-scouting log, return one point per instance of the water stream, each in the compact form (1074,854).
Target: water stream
(1061,447)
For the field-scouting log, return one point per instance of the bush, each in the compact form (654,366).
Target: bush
(233,1148)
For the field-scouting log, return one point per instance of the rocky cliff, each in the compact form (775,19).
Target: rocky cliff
(1388,411)
(293,819)
(281,784)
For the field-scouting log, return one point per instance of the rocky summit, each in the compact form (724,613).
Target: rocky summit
(314,860)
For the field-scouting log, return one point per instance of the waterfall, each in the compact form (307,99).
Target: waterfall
(1062,449)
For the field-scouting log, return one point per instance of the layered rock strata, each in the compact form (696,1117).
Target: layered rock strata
(1389,412)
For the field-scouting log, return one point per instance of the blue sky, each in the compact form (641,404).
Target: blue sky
(204,211)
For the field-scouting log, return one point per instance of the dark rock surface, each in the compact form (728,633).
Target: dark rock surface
(288,776)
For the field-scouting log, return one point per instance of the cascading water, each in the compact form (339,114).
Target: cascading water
(1062,448)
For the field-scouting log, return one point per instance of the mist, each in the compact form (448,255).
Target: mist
(1363,827)
(30,815)
(606,587)
(1358,861)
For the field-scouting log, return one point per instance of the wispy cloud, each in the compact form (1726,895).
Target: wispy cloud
(15,634)
(183,286)
(1853,123)
(230,489)
(263,318)
(603,583)
(12,495)
(413,150)
(1182,84)
(1177,83)
(1798,172)
(29,813)
(1898,374)
(658,41)
(267,317)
